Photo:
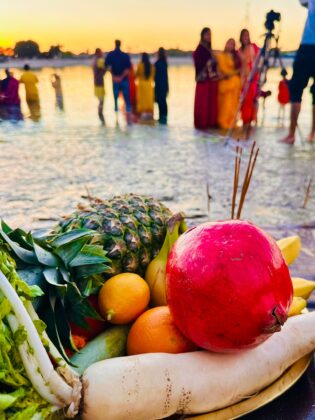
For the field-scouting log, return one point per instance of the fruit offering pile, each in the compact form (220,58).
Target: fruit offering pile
(123,305)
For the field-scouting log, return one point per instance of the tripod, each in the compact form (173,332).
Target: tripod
(260,67)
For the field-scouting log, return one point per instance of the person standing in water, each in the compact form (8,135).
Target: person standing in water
(206,94)
(10,99)
(30,80)
(145,92)
(161,85)
(229,64)
(248,53)
(303,70)
(56,84)
(119,64)
(99,87)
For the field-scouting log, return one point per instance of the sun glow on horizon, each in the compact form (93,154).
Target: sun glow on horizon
(142,26)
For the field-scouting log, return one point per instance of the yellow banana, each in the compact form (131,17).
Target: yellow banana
(302,288)
(156,270)
(290,248)
(297,306)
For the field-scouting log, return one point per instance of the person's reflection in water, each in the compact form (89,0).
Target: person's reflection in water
(56,84)
(31,92)
(34,107)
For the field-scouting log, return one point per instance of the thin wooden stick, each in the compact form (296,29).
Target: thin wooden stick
(307,192)
(246,183)
(237,166)
(243,192)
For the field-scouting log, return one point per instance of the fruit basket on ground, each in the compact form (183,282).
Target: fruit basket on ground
(121,312)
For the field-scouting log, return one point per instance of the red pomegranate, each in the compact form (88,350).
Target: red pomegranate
(228,286)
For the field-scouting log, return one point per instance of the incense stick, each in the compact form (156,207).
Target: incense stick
(246,184)
(247,178)
(238,157)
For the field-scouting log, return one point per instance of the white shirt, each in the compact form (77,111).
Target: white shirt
(308,37)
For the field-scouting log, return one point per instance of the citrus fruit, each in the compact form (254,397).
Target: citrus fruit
(155,332)
(123,298)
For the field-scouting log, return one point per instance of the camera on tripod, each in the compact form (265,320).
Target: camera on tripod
(271,18)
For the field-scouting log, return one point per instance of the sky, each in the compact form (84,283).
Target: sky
(143,25)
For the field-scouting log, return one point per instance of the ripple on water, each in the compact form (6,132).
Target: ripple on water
(46,167)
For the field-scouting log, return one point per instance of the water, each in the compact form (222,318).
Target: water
(46,166)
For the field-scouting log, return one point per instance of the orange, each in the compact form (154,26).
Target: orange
(123,298)
(155,332)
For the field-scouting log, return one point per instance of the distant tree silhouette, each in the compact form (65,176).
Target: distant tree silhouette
(54,51)
(26,49)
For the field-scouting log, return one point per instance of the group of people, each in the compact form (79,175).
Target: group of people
(10,102)
(139,88)
(227,83)
(220,78)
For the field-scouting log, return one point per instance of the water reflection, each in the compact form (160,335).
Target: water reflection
(47,166)
(34,108)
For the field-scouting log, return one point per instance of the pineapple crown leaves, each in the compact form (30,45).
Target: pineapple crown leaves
(71,253)
(66,267)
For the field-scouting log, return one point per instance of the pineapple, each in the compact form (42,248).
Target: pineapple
(131,229)
(72,262)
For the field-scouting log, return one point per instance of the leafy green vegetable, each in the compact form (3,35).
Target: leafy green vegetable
(20,336)
(18,398)
(7,400)
(69,267)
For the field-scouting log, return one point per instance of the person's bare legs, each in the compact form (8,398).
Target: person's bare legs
(100,111)
(311,137)
(295,111)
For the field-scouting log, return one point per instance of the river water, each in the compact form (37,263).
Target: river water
(46,166)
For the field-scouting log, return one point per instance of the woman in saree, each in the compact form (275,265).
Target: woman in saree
(248,53)
(145,91)
(229,64)
(206,95)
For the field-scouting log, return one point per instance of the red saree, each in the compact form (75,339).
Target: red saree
(206,96)
(249,108)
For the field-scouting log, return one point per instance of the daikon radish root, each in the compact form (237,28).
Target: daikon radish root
(154,386)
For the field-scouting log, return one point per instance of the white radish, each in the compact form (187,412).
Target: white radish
(154,386)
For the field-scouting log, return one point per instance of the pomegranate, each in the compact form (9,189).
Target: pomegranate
(227,285)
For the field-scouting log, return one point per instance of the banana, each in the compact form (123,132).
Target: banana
(156,270)
(302,288)
(297,306)
(290,248)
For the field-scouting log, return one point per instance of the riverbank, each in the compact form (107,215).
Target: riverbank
(39,63)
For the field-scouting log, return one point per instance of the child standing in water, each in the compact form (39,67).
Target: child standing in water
(56,84)
(283,96)
(99,88)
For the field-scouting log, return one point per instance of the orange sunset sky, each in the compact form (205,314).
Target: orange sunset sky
(142,25)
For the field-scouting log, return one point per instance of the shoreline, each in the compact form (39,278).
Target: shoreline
(38,63)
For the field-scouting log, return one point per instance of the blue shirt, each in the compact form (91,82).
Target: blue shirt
(308,37)
(118,61)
